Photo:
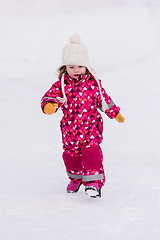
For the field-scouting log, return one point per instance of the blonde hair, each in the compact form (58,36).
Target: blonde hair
(62,70)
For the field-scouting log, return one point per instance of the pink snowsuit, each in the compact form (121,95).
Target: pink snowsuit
(82,126)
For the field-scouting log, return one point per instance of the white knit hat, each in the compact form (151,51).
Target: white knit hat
(75,53)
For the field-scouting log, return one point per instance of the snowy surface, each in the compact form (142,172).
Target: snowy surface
(123,41)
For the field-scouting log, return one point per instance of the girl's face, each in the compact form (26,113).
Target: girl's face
(75,71)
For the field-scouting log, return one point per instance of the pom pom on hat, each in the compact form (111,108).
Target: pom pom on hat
(75,39)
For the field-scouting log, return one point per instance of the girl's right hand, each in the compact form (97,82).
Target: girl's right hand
(50,108)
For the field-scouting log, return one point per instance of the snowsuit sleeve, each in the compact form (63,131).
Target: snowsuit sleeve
(51,95)
(112,110)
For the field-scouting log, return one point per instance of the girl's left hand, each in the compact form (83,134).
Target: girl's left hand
(119,118)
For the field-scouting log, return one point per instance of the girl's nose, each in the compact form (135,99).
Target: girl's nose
(76,69)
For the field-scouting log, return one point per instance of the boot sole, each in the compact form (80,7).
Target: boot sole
(93,192)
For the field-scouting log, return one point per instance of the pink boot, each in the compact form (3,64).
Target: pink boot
(93,190)
(74,186)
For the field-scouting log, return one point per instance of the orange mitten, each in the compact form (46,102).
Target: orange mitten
(50,108)
(120,118)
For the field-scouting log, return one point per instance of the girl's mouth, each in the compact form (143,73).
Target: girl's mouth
(77,75)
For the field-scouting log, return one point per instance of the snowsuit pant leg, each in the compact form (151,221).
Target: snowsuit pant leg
(92,161)
(73,166)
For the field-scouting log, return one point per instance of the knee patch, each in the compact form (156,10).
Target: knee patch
(92,158)
(72,163)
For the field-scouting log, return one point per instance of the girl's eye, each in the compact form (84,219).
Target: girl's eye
(80,66)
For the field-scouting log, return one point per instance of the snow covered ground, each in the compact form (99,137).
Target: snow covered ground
(123,41)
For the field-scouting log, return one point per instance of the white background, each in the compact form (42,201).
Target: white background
(123,41)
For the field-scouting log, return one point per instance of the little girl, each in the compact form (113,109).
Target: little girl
(79,94)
